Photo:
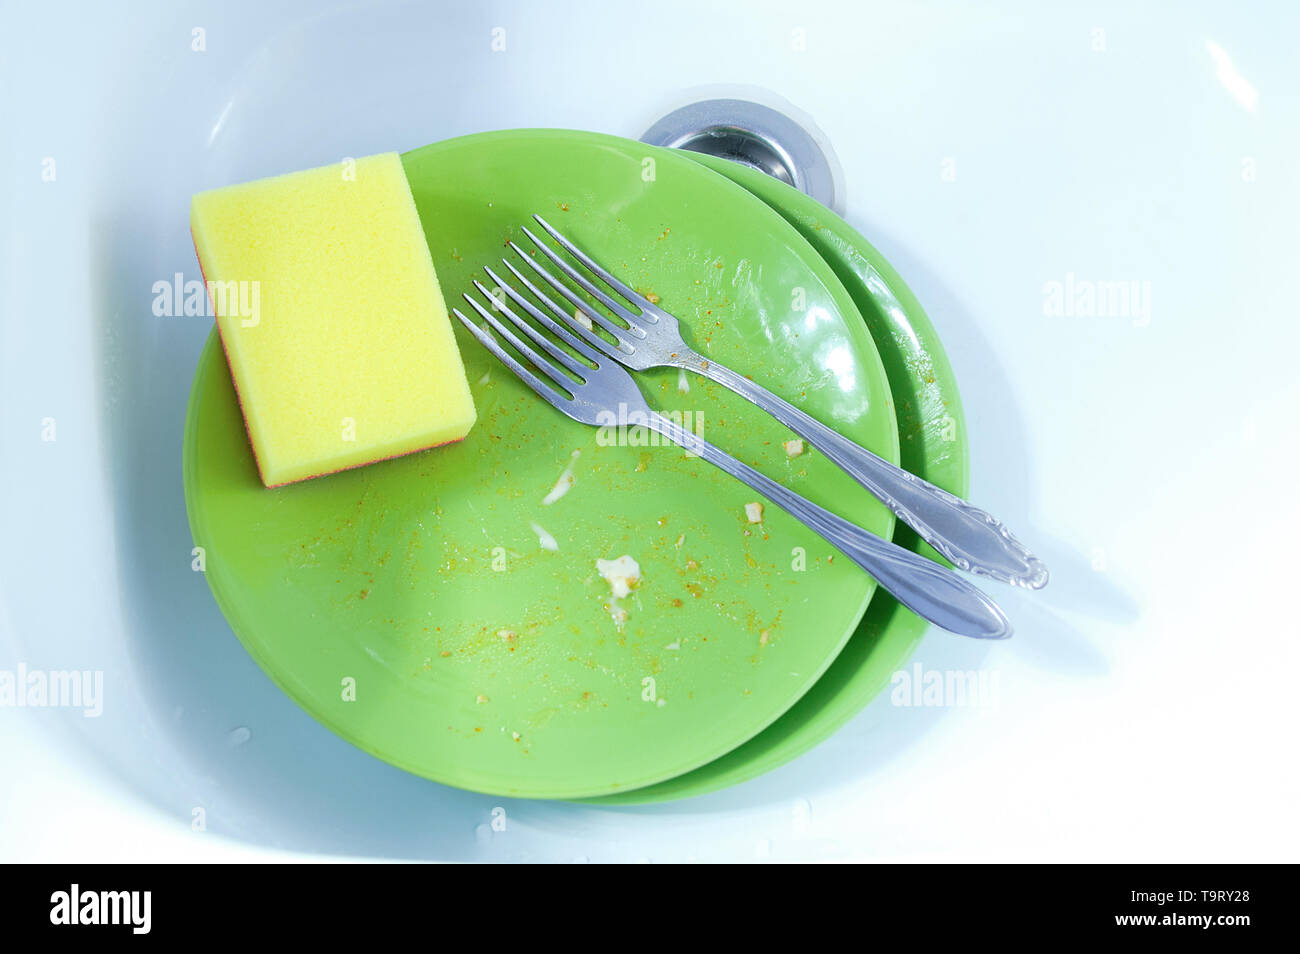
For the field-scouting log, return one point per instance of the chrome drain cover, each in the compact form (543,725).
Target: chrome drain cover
(756,136)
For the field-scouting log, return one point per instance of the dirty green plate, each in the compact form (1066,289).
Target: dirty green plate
(408,605)
(932,432)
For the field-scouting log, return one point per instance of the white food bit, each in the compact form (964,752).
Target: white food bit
(562,485)
(622,574)
(581,318)
(546,541)
(673,645)
(680,540)
(754,512)
(683,384)
(793,448)
(486,376)
(515,736)
(506,634)
(481,699)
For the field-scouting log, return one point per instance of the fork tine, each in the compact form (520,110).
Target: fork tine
(618,331)
(604,299)
(649,311)
(540,363)
(570,321)
(545,392)
(623,344)
(545,343)
(565,335)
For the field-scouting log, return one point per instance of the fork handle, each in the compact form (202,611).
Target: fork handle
(967,536)
(923,586)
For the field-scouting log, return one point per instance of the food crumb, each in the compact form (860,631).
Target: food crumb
(544,539)
(515,736)
(623,575)
(793,448)
(563,484)
(480,698)
(754,512)
(507,635)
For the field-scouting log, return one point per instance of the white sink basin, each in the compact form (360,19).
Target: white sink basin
(988,154)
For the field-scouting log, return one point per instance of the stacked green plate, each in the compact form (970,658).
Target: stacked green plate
(932,437)
(410,605)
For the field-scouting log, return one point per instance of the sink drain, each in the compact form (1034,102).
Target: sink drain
(756,136)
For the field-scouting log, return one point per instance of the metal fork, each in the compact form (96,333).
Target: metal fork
(597,391)
(970,538)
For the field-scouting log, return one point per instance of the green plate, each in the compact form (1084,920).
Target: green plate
(408,605)
(932,433)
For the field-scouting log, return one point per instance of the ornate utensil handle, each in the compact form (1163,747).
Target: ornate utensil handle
(923,586)
(970,538)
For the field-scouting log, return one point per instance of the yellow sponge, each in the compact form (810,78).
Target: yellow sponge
(331,317)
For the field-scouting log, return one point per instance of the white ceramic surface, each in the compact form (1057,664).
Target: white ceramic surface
(1142,712)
